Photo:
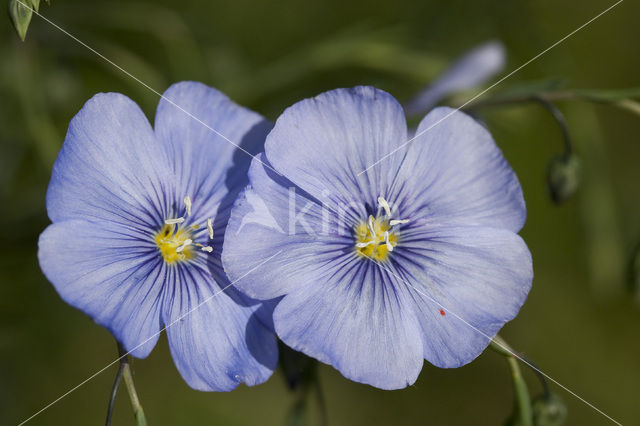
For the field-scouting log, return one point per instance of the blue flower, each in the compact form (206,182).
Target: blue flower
(416,258)
(139,217)
(470,70)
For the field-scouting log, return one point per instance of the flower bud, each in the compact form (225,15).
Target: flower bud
(549,410)
(563,177)
(20,13)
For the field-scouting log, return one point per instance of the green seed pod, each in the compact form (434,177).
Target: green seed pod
(549,410)
(563,178)
(20,12)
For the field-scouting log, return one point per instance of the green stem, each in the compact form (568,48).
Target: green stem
(522,399)
(133,395)
(114,392)
(629,105)
(124,371)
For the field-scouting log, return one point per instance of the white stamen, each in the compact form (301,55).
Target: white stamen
(207,249)
(184,245)
(174,221)
(210,228)
(361,245)
(386,240)
(383,203)
(397,222)
(187,204)
(372,230)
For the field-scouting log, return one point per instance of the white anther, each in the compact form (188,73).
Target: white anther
(174,221)
(362,245)
(207,249)
(187,204)
(372,230)
(383,203)
(397,222)
(210,228)
(184,245)
(387,242)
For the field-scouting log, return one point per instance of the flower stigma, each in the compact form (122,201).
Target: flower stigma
(176,242)
(376,237)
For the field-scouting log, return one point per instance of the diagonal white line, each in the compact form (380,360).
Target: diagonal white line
(489,338)
(151,337)
(492,86)
(127,73)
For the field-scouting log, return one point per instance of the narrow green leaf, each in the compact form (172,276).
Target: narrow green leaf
(20,13)
(609,95)
(530,88)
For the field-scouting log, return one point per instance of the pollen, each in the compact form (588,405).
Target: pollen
(175,244)
(374,238)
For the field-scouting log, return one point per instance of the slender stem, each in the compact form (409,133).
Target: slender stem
(124,370)
(628,104)
(523,401)
(522,398)
(133,396)
(114,391)
(560,120)
(545,100)
(543,381)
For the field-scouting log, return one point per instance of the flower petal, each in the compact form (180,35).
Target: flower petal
(115,279)
(110,168)
(275,221)
(455,173)
(466,283)
(216,342)
(210,141)
(470,70)
(322,144)
(354,320)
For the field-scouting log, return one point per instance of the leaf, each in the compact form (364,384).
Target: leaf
(609,95)
(20,13)
(530,88)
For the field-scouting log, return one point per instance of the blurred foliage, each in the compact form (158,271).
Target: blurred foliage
(580,323)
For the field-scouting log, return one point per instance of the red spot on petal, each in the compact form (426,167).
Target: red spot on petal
(442,312)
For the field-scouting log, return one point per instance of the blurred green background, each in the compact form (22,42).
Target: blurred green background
(581,323)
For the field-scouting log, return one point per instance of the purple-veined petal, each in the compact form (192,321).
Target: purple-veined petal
(323,143)
(209,141)
(355,320)
(113,277)
(272,216)
(453,172)
(470,70)
(110,167)
(465,282)
(216,341)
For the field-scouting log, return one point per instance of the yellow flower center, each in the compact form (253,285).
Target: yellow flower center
(375,238)
(175,243)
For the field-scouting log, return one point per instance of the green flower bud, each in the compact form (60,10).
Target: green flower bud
(549,410)
(20,12)
(563,177)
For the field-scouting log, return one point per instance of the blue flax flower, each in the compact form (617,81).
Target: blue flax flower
(470,70)
(416,258)
(139,217)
